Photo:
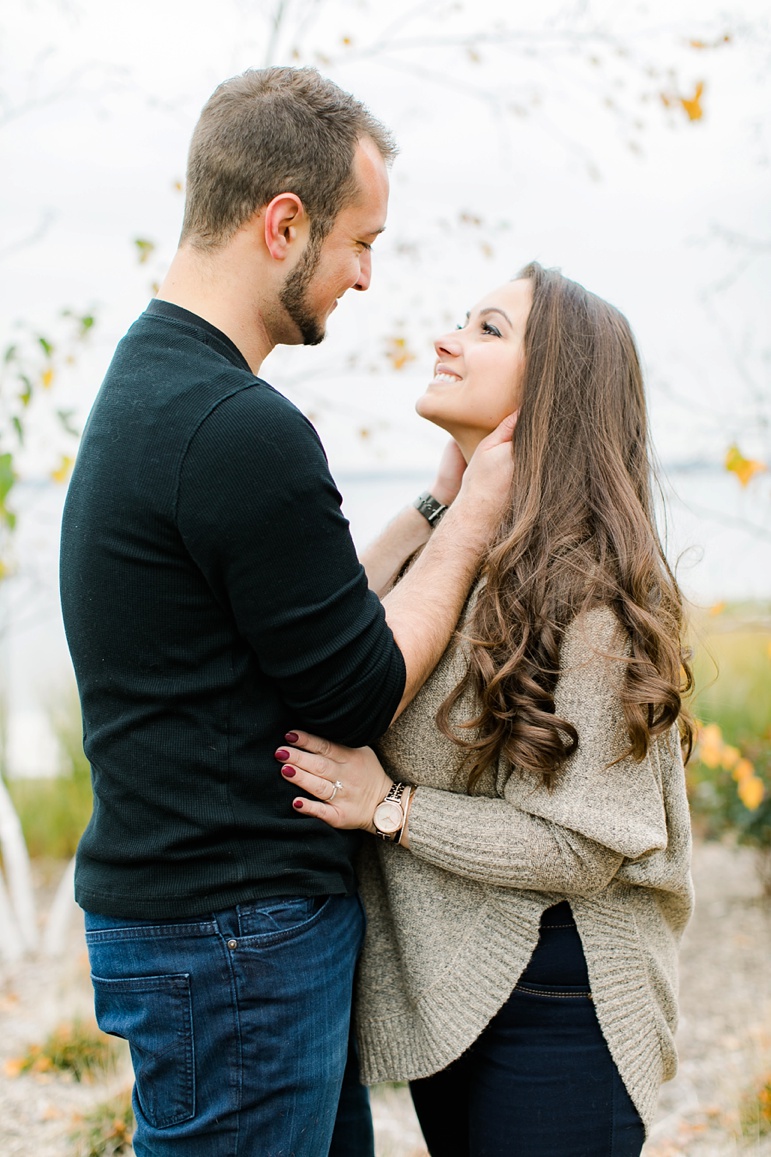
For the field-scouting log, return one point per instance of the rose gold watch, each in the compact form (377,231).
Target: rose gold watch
(389,814)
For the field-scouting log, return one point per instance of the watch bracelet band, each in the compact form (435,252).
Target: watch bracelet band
(394,795)
(431,508)
(406,809)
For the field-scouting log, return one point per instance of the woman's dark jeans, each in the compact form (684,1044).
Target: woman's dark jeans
(539,1081)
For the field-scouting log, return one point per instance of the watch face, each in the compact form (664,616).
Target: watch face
(388,816)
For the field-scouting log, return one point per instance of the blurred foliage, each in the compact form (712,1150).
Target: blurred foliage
(106,1130)
(729,777)
(755,1113)
(745,469)
(30,364)
(54,812)
(75,1047)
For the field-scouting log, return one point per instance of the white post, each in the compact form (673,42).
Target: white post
(62,910)
(10,938)
(17,871)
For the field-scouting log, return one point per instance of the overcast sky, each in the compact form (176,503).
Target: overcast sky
(554,145)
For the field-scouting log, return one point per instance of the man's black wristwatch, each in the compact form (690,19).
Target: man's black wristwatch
(431,508)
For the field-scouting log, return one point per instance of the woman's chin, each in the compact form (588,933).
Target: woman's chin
(427,408)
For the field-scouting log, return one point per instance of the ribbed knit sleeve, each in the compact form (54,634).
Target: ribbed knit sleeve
(518,850)
(260,515)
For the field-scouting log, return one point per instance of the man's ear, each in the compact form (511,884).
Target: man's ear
(285,223)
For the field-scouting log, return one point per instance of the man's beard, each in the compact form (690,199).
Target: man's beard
(294,291)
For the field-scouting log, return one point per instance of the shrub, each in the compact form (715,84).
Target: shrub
(75,1047)
(107,1130)
(729,777)
(53,812)
(755,1114)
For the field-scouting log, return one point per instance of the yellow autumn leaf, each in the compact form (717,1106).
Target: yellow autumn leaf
(398,352)
(730,757)
(710,745)
(743,771)
(751,792)
(745,469)
(62,471)
(14,1067)
(47,377)
(692,104)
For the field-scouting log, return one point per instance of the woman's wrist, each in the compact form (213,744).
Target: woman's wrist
(443,493)
(389,818)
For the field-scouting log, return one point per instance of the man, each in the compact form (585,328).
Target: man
(213,600)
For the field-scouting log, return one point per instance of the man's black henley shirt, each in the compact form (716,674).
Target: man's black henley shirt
(212,600)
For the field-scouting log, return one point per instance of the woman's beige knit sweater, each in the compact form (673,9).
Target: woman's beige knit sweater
(454,919)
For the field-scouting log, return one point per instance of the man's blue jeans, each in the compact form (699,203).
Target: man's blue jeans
(238,1025)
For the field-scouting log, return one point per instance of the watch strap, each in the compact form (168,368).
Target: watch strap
(431,508)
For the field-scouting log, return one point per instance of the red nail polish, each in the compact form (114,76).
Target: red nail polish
(291,737)
(282,755)
(298,803)
(288,771)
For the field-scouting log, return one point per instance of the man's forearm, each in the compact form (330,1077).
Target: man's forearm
(424,608)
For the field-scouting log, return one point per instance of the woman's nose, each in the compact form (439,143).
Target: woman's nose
(449,343)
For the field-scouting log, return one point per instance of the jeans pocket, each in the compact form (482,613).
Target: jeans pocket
(154,1014)
(280,917)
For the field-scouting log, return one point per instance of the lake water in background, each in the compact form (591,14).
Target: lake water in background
(709,540)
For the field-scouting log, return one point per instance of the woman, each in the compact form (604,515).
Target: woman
(520,963)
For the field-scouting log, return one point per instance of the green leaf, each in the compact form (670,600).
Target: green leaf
(16,423)
(86,323)
(65,417)
(26,393)
(145,249)
(7,477)
(48,349)
(10,353)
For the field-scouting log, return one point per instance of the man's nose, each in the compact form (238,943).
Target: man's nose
(365,271)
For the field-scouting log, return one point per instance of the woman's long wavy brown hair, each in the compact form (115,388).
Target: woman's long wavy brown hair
(580,531)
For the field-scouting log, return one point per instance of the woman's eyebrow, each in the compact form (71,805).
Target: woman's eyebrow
(495,309)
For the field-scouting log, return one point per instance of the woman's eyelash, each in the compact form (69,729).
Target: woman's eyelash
(488,328)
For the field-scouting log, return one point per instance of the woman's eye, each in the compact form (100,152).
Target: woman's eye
(488,328)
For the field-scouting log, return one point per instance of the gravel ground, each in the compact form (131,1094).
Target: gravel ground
(724,1038)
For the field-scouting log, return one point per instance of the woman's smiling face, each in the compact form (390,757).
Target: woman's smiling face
(478,371)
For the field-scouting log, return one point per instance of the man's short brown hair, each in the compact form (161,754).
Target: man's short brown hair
(271,131)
